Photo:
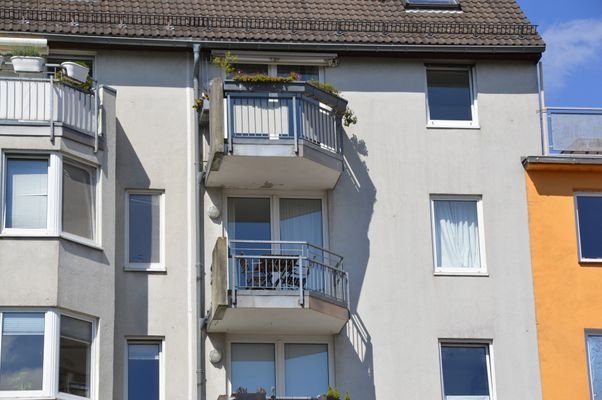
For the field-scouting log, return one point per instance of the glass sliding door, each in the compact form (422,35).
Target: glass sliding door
(301,220)
(305,369)
(249,219)
(253,367)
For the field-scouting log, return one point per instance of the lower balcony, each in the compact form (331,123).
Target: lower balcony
(277,287)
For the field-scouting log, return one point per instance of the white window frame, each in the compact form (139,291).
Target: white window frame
(441,270)
(488,344)
(576,206)
(145,340)
(274,198)
(52,336)
(279,341)
(52,212)
(93,357)
(436,123)
(96,240)
(145,267)
(55,197)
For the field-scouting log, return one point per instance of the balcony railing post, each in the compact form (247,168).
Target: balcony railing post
(51,107)
(230,126)
(295,133)
(300,274)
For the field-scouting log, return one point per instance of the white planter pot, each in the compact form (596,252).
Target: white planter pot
(28,64)
(76,71)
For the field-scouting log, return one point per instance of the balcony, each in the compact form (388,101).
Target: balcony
(277,287)
(574,131)
(285,136)
(41,106)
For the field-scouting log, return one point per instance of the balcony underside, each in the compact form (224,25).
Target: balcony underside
(43,130)
(265,163)
(266,312)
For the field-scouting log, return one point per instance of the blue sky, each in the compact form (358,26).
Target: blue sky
(572,30)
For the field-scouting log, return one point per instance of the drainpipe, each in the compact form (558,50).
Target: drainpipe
(542,109)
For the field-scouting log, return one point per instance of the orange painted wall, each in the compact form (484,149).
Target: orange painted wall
(568,294)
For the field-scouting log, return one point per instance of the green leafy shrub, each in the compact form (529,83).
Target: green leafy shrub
(25,52)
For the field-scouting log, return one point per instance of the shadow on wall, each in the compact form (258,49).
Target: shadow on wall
(354,195)
(131,288)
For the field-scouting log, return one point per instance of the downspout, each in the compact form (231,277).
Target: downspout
(200,273)
(542,109)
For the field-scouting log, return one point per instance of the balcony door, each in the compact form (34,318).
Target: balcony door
(261,219)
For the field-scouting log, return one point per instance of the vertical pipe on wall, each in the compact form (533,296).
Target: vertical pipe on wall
(542,108)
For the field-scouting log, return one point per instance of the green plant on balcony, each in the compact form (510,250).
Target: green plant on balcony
(61,77)
(25,52)
(349,117)
(334,394)
(262,78)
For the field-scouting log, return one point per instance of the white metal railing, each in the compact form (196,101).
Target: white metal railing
(278,116)
(573,130)
(287,266)
(46,101)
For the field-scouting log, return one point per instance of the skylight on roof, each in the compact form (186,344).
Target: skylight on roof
(433,4)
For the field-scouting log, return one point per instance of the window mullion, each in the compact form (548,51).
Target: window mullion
(51,353)
(55,184)
(280,372)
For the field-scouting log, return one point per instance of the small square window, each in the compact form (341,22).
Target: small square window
(450,95)
(589,220)
(458,234)
(145,231)
(79,200)
(466,371)
(144,371)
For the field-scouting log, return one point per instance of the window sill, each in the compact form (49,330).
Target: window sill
(30,235)
(157,269)
(594,261)
(83,241)
(450,125)
(461,273)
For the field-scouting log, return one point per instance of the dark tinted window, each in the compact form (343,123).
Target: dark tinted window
(465,370)
(589,211)
(449,96)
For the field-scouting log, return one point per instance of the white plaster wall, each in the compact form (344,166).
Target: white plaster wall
(400,310)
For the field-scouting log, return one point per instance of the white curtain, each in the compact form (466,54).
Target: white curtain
(26,193)
(457,234)
(301,220)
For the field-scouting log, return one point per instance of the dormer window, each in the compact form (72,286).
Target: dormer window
(432,4)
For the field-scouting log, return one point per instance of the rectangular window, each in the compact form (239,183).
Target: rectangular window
(594,358)
(291,370)
(22,351)
(589,221)
(458,234)
(144,371)
(305,72)
(466,371)
(451,98)
(75,356)
(26,193)
(79,200)
(145,231)
(305,369)
(253,367)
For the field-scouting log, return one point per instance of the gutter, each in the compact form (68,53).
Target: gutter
(186,42)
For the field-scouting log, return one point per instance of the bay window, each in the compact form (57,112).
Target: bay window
(29,342)
(46,194)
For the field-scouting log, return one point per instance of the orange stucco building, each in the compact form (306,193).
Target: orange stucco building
(568,291)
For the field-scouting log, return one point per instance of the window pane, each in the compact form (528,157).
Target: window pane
(253,367)
(143,371)
(74,358)
(465,371)
(457,234)
(589,211)
(249,219)
(22,351)
(306,369)
(79,200)
(449,95)
(594,352)
(305,72)
(26,193)
(301,220)
(144,228)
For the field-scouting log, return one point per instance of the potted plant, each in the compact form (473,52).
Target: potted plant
(334,394)
(77,70)
(27,59)
(242,394)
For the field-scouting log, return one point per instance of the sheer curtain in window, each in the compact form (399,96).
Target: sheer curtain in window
(26,193)
(301,220)
(457,234)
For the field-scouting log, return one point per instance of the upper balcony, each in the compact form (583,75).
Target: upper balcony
(277,286)
(40,105)
(266,135)
(574,131)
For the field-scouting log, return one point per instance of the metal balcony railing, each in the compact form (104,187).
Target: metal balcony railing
(282,116)
(287,267)
(44,101)
(574,130)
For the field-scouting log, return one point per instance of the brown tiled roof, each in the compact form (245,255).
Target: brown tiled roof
(379,22)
